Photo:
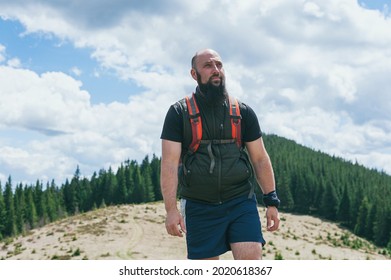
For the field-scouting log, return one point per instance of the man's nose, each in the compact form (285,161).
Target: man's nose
(215,69)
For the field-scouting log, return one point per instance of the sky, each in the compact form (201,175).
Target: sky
(88,83)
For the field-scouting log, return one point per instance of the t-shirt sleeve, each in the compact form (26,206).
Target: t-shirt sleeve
(173,124)
(251,130)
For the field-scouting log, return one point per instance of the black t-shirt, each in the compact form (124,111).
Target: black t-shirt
(173,124)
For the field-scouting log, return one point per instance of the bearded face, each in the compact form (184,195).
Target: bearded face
(214,89)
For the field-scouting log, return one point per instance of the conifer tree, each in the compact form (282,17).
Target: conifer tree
(108,186)
(50,202)
(360,227)
(284,193)
(121,194)
(86,197)
(9,225)
(344,208)
(69,193)
(146,173)
(2,213)
(20,208)
(301,194)
(31,212)
(95,189)
(155,177)
(382,227)
(39,203)
(138,193)
(370,225)
(329,205)
(75,192)
(129,180)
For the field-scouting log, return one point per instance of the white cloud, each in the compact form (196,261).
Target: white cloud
(14,62)
(73,131)
(314,71)
(52,101)
(313,9)
(76,71)
(341,78)
(2,53)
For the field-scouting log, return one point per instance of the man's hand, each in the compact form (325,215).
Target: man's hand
(175,225)
(272,218)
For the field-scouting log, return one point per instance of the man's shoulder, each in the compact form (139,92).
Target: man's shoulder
(180,106)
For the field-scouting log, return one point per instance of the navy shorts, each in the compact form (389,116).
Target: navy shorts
(211,228)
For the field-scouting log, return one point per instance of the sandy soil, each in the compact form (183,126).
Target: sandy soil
(138,232)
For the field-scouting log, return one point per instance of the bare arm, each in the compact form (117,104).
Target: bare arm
(262,165)
(171,152)
(265,176)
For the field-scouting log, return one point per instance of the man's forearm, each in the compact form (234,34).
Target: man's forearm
(169,185)
(265,175)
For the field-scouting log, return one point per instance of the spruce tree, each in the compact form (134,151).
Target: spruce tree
(2,213)
(39,203)
(129,180)
(382,228)
(329,205)
(31,212)
(50,203)
(10,217)
(155,177)
(360,227)
(284,192)
(344,208)
(20,208)
(121,195)
(146,173)
(138,193)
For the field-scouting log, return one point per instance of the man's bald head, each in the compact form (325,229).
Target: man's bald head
(201,53)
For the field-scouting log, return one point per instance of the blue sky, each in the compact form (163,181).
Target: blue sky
(45,52)
(88,83)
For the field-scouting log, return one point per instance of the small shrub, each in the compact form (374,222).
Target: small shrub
(76,253)
(278,256)
(64,257)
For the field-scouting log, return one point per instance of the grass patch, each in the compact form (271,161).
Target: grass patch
(63,257)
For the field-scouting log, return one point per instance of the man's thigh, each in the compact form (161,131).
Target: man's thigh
(246,250)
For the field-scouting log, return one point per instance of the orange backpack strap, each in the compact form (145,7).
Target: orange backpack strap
(234,112)
(195,121)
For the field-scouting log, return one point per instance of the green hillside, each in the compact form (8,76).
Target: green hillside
(312,182)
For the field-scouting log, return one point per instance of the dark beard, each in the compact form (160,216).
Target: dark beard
(214,95)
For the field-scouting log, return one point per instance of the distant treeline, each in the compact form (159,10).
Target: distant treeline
(32,206)
(308,182)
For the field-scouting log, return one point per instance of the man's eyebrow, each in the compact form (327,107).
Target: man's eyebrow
(212,60)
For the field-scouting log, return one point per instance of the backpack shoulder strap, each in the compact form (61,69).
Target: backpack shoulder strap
(234,112)
(195,121)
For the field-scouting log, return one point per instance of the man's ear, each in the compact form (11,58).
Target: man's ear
(193,73)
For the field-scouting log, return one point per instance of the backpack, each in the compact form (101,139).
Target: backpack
(196,123)
(192,121)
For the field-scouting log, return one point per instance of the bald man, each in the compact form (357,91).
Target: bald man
(212,148)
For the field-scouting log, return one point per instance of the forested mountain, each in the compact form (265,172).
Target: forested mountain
(312,182)
(308,182)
